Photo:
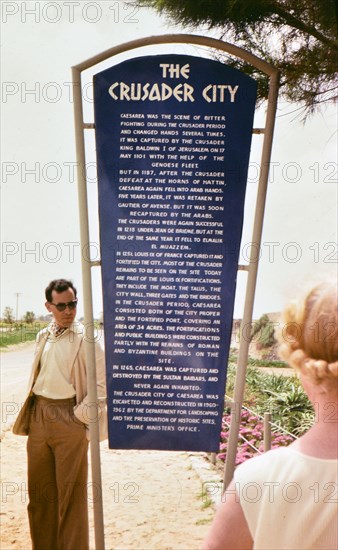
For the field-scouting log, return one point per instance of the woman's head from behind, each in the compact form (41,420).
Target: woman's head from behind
(309,339)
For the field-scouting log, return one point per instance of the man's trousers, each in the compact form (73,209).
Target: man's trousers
(57,477)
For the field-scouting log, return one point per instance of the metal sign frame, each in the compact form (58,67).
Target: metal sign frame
(252,268)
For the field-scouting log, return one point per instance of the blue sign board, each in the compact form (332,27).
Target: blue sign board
(173,136)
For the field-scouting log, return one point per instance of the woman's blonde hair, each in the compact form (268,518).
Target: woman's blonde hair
(309,339)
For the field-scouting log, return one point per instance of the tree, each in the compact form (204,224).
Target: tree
(299,37)
(8,315)
(264,329)
(29,317)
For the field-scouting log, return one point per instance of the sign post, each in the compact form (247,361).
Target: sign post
(202,287)
(88,310)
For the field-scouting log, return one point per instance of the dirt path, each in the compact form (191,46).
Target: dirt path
(152,500)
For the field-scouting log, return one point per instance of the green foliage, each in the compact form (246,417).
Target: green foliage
(282,396)
(29,317)
(19,333)
(231,375)
(264,329)
(8,315)
(266,363)
(290,407)
(299,37)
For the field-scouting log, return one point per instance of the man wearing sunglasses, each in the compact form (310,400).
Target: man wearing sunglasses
(57,434)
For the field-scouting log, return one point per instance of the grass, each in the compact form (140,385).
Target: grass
(266,363)
(204,521)
(19,333)
(207,502)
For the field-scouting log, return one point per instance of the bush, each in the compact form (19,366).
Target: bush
(282,396)
(264,331)
(291,408)
(250,439)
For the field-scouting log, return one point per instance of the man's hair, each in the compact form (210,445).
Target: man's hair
(59,285)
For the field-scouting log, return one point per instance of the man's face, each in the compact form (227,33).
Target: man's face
(66,317)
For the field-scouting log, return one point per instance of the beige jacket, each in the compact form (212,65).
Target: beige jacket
(85,412)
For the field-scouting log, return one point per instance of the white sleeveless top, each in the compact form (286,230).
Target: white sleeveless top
(290,500)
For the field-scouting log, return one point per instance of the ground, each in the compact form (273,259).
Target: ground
(152,500)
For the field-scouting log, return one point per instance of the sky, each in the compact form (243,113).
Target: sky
(40,235)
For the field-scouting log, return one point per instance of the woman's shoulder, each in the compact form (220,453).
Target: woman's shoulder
(259,461)
(282,461)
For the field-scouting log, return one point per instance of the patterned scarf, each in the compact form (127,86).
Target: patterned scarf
(55,329)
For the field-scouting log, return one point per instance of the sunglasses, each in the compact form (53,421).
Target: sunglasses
(62,306)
